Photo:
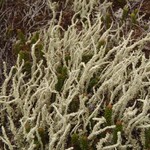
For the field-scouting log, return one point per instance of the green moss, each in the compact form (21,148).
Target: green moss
(86,58)
(1,2)
(25,55)
(90,125)
(16,48)
(125,13)
(41,132)
(21,36)
(14,71)
(80,142)
(9,31)
(24,50)
(27,127)
(60,82)
(133,16)
(62,70)
(44,137)
(74,105)
(108,114)
(27,67)
(146,27)
(101,43)
(84,143)
(75,141)
(147,138)
(34,38)
(38,52)
(107,20)
(118,128)
(121,1)
(37,143)
(62,74)
(53,97)
(94,80)
(67,59)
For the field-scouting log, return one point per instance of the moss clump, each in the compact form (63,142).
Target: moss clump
(34,38)
(93,82)
(125,13)
(21,36)
(122,1)
(147,138)
(60,82)
(84,144)
(39,53)
(27,127)
(27,67)
(67,58)
(17,47)
(86,57)
(75,141)
(74,105)
(108,115)
(44,137)
(80,142)
(134,17)
(2,2)
(107,20)
(23,48)
(101,43)
(9,31)
(118,128)
(62,75)
(24,55)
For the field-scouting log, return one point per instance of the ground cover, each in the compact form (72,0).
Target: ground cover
(76,75)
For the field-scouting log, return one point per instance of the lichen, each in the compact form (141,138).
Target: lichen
(82,84)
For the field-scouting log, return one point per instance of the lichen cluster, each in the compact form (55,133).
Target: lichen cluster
(82,84)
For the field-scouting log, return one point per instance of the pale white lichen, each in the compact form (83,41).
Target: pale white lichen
(123,75)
